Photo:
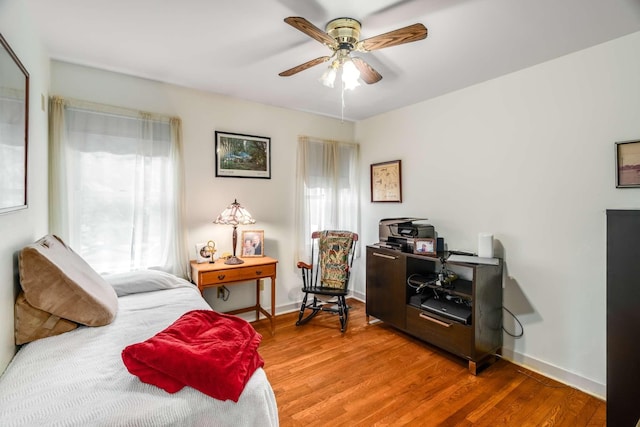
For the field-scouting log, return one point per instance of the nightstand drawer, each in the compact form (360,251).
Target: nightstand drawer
(237,274)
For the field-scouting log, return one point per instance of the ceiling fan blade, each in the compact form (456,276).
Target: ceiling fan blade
(311,30)
(409,34)
(367,73)
(304,66)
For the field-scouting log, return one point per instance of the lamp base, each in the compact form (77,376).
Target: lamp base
(234,260)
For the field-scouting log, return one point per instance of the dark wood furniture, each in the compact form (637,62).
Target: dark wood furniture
(218,273)
(623,317)
(389,298)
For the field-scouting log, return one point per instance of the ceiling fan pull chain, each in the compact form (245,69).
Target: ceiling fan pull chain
(342,97)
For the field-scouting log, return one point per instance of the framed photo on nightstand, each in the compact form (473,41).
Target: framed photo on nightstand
(252,243)
(205,252)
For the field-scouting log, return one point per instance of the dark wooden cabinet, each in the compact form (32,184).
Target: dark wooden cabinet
(392,299)
(623,317)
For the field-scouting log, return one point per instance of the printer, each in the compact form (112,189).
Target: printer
(398,233)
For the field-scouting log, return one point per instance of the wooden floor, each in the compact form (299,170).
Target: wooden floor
(376,375)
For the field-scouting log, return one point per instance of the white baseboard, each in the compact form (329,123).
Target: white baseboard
(288,308)
(569,378)
(359,296)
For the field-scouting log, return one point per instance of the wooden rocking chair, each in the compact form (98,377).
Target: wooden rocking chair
(328,274)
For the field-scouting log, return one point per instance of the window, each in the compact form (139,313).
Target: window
(116,194)
(327,195)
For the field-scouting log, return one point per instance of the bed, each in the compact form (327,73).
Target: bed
(78,377)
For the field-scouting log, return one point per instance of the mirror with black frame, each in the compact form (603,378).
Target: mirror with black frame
(14,116)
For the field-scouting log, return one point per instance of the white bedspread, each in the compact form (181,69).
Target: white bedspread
(78,378)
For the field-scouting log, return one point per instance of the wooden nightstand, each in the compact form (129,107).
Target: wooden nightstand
(217,274)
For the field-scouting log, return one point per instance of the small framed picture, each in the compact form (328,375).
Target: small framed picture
(252,243)
(628,164)
(386,182)
(205,252)
(425,246)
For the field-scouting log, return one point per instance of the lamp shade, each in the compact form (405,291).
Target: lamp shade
(235,215)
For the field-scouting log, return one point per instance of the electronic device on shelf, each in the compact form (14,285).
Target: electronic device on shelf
(450,308)
(398,233)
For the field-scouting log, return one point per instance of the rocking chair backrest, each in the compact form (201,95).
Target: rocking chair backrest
(336,250)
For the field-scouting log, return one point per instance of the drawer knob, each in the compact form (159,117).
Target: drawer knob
(220,276)
(258,272)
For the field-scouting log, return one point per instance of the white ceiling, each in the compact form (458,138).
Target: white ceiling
(237,48)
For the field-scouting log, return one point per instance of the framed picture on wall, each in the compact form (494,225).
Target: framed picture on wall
(252,243)
(386,181)
(628,164)
(242,156)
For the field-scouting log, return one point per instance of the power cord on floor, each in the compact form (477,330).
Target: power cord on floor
(526,374)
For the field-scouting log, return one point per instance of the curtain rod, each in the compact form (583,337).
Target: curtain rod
(109,109)
(315,138)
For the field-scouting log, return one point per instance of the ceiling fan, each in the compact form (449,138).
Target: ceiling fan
(342,36)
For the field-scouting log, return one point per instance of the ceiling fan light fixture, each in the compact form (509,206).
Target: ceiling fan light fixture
(350,75)
(329,76)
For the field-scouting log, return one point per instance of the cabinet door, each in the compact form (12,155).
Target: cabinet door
(386,293)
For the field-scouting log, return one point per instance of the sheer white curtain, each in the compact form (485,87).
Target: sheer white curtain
(327,190)
(116,186)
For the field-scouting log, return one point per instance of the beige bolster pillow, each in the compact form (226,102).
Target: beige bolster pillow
(57,280)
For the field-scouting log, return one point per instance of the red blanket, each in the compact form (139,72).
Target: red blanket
(212,352)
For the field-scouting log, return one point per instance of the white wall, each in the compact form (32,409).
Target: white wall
(270,201)
(529,157)
(23,227)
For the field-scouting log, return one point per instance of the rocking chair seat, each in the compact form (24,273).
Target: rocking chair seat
(319,290)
